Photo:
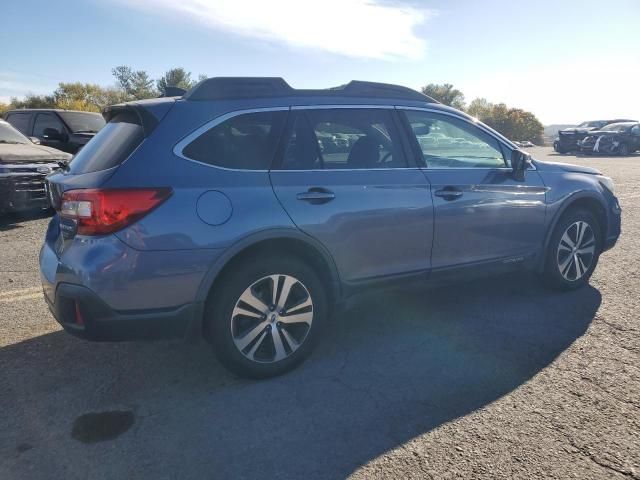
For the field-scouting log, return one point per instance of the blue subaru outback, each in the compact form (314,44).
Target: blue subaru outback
(245,210)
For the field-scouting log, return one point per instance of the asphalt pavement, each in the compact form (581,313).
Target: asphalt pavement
(497,378)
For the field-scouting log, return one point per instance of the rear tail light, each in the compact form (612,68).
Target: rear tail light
(102,211)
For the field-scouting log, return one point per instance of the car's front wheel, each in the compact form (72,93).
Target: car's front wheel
(623,150)
(265,316)
(573,251)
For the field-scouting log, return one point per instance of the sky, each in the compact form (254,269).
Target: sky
(564,60)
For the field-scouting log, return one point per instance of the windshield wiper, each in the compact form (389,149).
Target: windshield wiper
(86,131)
(11,142)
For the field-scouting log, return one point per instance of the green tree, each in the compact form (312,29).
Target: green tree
(34,101)
(176,77)
(479,108)
(137,84)
(445,93)
(86,96)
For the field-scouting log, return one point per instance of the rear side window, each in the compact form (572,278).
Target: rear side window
(20,122)
(245,142)
(111,146)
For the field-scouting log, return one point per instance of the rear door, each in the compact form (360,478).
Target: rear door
(343,178)
(482,213)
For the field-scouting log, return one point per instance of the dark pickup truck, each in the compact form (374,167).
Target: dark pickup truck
(66,130)
(568,138)
(23,168)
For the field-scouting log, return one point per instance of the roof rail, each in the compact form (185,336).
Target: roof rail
(228,88)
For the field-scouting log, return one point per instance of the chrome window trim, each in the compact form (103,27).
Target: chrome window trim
(185,141)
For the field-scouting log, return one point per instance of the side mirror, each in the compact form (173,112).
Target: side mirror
(35,140)
(520,161)
(53,134)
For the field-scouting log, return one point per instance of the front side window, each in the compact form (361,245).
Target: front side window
(81,122)
(20,121)
(45,121)
(636,130)
(246,142)
(343,138)
(448,142)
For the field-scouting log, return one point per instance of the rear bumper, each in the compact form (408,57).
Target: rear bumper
(100,289)
(82,313)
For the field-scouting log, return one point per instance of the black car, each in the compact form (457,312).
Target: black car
(615,139)
(66,130)
(568,138)
(23,168)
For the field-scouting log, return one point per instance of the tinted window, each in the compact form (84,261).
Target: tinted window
(245,141)
(44,121)
(20,121)
(80,122)
(636,130)
(343,139)
(111,145)
(446,142)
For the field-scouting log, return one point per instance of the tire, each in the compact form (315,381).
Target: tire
(560,271)
(623,150)
(248,338)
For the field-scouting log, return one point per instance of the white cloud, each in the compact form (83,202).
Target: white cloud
(355,28)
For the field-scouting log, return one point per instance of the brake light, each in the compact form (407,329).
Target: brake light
(102,211)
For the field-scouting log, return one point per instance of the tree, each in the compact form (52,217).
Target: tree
(86,96)
(479,108)
(137,84)
(34,101)
(445,93)
(513,123)
(176,77)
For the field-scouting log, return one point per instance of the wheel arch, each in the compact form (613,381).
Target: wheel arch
(289,241)
(582,200)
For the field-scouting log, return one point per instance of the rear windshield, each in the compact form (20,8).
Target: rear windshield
(111,146)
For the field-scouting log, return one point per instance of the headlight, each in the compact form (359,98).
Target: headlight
(606,182)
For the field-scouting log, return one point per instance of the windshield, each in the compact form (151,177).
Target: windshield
(8,134)
(596,124)
(616,127)
(80,122)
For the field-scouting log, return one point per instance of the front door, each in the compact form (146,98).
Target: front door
(482,213)
(344,179)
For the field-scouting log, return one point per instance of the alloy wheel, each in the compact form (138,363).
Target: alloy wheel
(576,251)
(272,318)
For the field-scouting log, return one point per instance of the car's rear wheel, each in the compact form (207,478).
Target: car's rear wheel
(265,316)
(573,251)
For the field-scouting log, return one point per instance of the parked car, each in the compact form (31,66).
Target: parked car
(23,167)
(65,130)
(217,214)
(526,144)
(614,139)
(567,140)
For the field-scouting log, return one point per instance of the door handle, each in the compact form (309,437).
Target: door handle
(448,193)
(316,196)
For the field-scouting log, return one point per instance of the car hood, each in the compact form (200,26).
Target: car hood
(564,167)
(25,153)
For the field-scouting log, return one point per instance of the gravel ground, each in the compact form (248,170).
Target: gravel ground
(509,381)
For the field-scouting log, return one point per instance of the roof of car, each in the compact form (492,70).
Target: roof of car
(28,110)
(229,88)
